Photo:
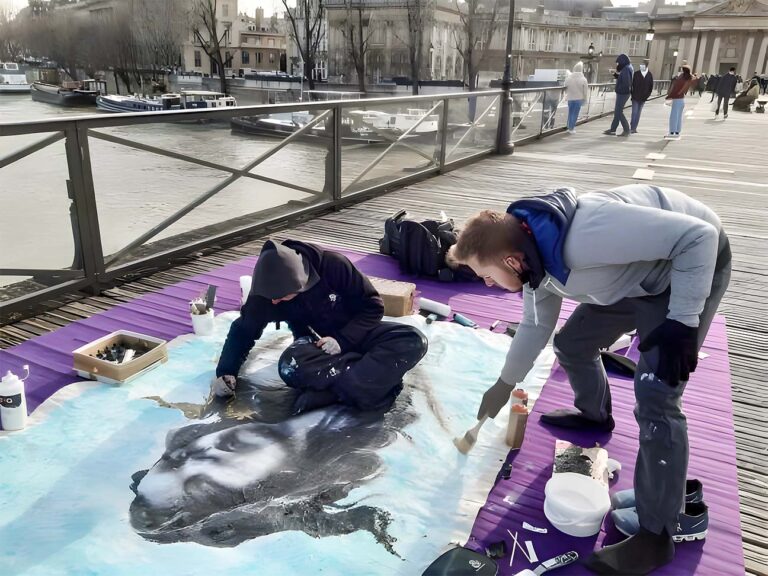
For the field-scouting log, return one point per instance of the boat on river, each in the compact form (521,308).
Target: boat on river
(12,79)
(80,93)
(283,124)
(186,100)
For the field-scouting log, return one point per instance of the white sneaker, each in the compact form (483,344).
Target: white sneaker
(571,131)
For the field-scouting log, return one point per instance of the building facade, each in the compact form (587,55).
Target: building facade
(388,41)
(295,60)
(712,37)
(250,43)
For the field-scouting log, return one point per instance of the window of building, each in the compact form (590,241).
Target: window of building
(225,10)
(227,58)
(271,57)
(531,44)
(246,57)
(568,41)
(611,42)
(549,40)
(257,41)
(198,59)
(271,43)
(258,57)
(634,43)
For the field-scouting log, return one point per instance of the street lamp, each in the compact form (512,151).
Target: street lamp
(648,39)
(591,49)
(674,53)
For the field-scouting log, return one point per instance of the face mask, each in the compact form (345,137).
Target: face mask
(642,67)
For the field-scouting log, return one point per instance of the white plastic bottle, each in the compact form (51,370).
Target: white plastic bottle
(13,401)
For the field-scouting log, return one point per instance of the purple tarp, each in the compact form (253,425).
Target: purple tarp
(707,403)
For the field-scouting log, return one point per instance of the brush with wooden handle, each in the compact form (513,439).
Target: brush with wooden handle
(467,442)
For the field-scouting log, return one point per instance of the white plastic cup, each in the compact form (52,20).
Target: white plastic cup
(245,288)
(202,324)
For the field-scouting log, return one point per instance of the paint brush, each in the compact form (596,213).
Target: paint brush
(467,442)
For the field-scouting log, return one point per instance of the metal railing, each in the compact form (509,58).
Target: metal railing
(342,150)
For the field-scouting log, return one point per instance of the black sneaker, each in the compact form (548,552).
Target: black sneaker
(609,133)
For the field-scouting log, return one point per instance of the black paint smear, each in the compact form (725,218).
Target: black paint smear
(338,454)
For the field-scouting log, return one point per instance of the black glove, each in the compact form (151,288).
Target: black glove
(678,350)
(494,399)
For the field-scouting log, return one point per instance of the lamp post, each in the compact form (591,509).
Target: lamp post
(503,145)
(591,58)
(648,39)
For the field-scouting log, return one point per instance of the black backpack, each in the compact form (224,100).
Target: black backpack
(420,247)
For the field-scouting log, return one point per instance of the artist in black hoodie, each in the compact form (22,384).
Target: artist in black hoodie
(623,75)
(642,88)
(357,360)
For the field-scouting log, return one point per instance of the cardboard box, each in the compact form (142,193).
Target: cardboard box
(397,296)
(87,365)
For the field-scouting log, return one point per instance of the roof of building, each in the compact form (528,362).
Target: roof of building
(737,8)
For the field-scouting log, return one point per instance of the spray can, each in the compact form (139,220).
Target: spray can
(13,401)
(518,418)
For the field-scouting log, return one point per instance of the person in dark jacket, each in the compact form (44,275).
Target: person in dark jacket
(623,90)
(642,88)
(712,85)
(342,351)
(725,87)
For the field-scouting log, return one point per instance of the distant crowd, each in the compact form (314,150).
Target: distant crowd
(637,85)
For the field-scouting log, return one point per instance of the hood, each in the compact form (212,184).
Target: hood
(548,218)
(284,269)
(622,61)
(578,68)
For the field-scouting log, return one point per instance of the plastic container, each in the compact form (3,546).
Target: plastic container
(87,365)
(576,504)
(202,324)
(13,402)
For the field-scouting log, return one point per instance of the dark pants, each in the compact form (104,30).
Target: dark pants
(618,113)
(637,109)
(724,101)
(662,460)
(368,378)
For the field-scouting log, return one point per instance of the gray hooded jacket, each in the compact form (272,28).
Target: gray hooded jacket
(628,242)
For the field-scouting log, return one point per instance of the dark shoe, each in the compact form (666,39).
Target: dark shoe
(641,554)
(694,492)
(572,418)
(633,131)
(609,133)
(691,525)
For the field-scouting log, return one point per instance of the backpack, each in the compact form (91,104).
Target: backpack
(421,247)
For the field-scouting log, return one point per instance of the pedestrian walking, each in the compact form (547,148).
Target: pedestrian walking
(676,95)
(642,88)
(623,89)
(725,88)
(576,92)
(712,85)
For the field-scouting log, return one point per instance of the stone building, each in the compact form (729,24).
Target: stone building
(711,37)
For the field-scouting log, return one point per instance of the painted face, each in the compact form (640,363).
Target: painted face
(504,273)
(287,298)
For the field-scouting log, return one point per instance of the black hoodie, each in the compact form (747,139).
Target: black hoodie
(342,303)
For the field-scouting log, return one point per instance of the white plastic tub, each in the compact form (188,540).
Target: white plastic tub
(202,324)
(576,504)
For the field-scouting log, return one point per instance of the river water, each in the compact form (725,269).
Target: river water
(136,190)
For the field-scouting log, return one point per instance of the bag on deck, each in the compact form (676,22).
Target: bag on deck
(420,247)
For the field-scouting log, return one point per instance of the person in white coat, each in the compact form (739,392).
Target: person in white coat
(576,92)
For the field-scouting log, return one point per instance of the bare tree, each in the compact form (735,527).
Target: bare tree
(475,34)
(205,27)
(357,31)
(307,31)
(10,41)
(419,16)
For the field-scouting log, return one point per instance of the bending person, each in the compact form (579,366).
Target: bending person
(342,351)
(635,257)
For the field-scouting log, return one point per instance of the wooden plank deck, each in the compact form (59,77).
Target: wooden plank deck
(720,163)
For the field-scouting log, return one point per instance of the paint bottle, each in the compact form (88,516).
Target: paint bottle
(13,401)
(518,418)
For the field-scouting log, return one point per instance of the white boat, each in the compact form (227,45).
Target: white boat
(187,100)
(12,80)
(400,122)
